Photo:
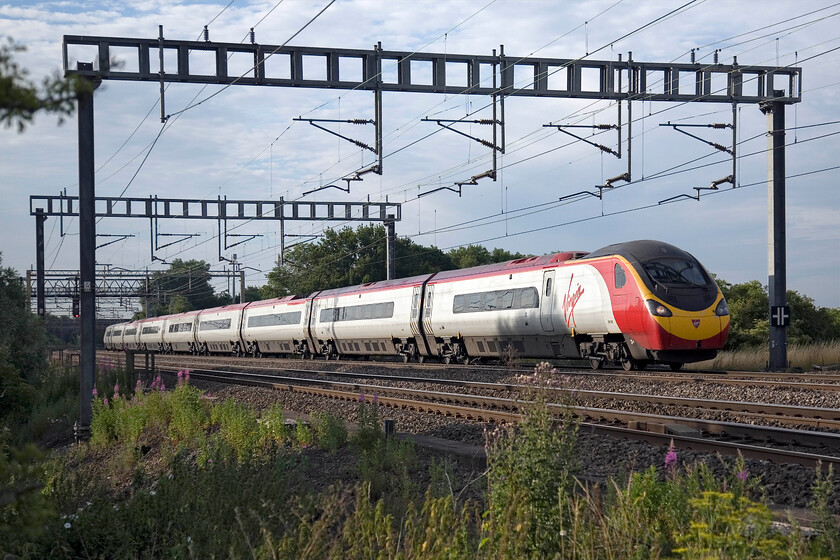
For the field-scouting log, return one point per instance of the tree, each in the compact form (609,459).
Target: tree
(347,257)
(20,98)
(252,293)
(184,287)
(476,255)
(23,347)
(749,306)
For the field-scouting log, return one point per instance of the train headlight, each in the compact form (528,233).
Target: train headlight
(657,309)
(722,308)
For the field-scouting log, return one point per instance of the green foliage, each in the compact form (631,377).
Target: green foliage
(20,98)
(476,255)
(238,429)
(190,416)
(346,257)
(24,510)
(23,350)
(330,432)
(828,536)
(183,287)
(530,465)
(272,427)
(749,307)
(723,526)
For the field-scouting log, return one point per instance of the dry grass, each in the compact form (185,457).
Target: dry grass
(826,355)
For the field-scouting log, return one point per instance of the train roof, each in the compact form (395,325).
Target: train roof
(517,265)
(374,286)
(641,251)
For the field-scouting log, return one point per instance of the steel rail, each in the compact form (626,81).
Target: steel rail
(501,409)
(506,416)
(817,417)
(738,378)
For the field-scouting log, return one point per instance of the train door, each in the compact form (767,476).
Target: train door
(547,301)
(431,345)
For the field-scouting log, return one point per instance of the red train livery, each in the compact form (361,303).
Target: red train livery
(632,303)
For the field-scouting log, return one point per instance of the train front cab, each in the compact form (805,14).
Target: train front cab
(666,305)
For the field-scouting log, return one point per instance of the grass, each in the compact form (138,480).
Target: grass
(171,474)
(826,355)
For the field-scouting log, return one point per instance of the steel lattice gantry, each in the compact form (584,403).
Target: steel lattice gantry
(547,77)
(552,77)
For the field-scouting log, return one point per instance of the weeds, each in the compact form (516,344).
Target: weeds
(226,488)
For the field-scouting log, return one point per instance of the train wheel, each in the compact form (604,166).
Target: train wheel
(466,360)
(628,365)
(596,363)
(421,358)
(406,357)
(676,366)
(447,360)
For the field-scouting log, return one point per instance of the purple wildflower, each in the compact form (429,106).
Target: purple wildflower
(187,375)
(94,392)
(116,390)
(671,458)
(742,475)
(375,398)
(105,401)
(361,397)
(180,377)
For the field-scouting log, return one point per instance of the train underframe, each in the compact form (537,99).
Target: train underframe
(607,349)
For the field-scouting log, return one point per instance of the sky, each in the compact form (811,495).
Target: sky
(243,143)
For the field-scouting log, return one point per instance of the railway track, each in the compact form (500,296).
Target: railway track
(817,382)
(655,428)
(814,417)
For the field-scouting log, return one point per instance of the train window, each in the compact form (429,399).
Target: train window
(528,298)
(620,276)
(490,301)
(180,327)
(548,287)
(214,325)
(274,319)
(356,312)
(116,333)
(507,299)
(150,330)
(520,298)
(676,272)
(130,332)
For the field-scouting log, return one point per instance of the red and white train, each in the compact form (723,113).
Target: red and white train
(631,303)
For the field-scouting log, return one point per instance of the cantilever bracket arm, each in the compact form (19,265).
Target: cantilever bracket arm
(247,236)
(601,147)
(715,145)
(358,143)
(119,237)
(471,181)
(447,188)
(347,190)
(180,236)
(679,196)
(481,141)
(598,194)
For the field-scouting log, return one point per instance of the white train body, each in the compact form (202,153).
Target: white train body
(277,326)
(632,303)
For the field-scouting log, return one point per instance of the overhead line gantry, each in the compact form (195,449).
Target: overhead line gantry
(771,86)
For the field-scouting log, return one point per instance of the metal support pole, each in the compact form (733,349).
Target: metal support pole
(87,256)
(389,248)
(377,110)
(40,302)
(777,269)
(241,285)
